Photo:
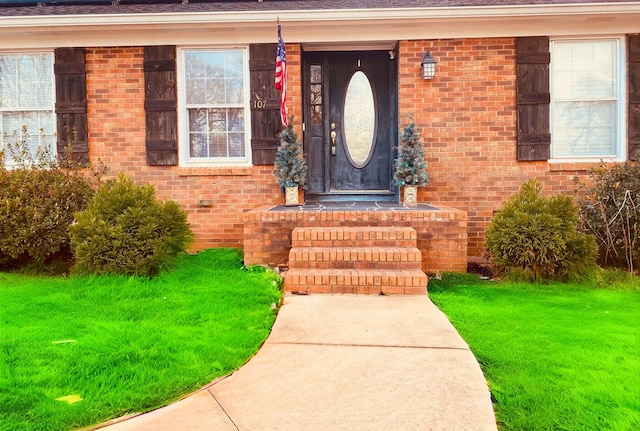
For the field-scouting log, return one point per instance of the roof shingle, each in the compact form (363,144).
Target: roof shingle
(272,6)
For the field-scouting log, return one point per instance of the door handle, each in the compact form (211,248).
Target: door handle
(333,143)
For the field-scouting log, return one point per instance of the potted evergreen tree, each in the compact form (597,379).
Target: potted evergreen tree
(290,166)
(410,167)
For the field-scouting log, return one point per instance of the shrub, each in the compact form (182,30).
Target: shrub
(125,230)
(610,210)
(38,198)
(534,237)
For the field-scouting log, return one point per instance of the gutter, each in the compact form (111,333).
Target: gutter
(320,16)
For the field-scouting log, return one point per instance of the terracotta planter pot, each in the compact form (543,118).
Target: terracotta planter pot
(291,196)
(410,195)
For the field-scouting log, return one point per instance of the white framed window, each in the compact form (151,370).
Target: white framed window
(587,99)
(27,99)
(213,107)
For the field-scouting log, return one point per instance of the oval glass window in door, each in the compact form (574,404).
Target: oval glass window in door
(359,119)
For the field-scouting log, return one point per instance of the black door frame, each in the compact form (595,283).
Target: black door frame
(316,133)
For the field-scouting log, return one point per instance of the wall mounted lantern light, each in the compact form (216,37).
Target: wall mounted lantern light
(428,66)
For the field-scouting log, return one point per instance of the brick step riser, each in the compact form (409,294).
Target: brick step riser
(359,231)
(402,282)
(354,243)
(346,277)
(354,236)
(362,290)
(356,254)
(323,264)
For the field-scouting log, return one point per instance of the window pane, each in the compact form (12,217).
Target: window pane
(217,120)
(316,94)
(8,82)
(235,120)
(46,124)
(196,65)
(233,91)
(26,99)
(233,64)
(562,59)
(44,81)
(584,70)
(11,122)
(218,145)
(316,74)
(26,75)
(236,144)
(584,129)
(215,92)
(197,120)
(214,82)
(584,94)
(197,145)
(214,77)
(195,91)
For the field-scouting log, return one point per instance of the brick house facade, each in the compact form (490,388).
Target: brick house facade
(468,114)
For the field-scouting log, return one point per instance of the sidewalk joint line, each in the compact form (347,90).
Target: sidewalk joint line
(223,409)
(397,346)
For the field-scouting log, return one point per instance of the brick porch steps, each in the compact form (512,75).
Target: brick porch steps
(362,259)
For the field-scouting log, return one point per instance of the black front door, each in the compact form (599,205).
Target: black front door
(350,125)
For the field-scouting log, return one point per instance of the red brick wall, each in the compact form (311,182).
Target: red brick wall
(115,93)
(467,118)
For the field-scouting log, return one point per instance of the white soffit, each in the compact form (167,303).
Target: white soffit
(319,27)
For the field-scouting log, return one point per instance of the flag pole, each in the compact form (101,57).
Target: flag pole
(281,76)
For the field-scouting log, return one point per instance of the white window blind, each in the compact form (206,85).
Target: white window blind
(27,99)
(585,98)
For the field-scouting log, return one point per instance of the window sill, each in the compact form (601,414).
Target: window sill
(215,171)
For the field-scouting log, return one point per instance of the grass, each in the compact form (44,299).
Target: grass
(124,344)
(556,356)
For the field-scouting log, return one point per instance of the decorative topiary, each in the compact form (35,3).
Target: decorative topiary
(125,230)
(410,167)
(535,237)
(290,166)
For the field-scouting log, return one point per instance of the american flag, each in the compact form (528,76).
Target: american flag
(281,77)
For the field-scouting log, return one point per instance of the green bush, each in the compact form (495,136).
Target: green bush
(534,237)
(610,210)
(38,199)
(125,230)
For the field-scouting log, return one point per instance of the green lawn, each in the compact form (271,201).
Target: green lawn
(124,344)
(556,357)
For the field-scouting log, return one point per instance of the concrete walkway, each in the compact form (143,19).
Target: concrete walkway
(343,362)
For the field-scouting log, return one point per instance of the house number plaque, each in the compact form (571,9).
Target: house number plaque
(259,103)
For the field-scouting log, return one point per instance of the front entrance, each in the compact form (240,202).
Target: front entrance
(350,125)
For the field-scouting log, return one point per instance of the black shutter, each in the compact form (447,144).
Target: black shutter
(160,105)
(532,98)
(634,96)
(265,104)
(71,103)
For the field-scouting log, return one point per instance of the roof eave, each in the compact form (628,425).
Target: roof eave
(329,25)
